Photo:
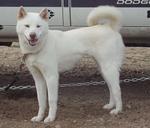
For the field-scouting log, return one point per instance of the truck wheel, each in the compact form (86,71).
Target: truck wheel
(6,44)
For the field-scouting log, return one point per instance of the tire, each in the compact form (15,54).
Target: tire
(6,44)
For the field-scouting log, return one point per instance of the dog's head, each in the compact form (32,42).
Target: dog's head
(32,27)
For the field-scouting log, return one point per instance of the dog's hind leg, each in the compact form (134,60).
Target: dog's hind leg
(40,84)
(111,103)
(110,73)
(111,76)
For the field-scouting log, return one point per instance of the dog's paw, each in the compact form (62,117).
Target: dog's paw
(37,119)
(108,106)
(115,111)
(49,119)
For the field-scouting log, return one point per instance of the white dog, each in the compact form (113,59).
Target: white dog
(48,52)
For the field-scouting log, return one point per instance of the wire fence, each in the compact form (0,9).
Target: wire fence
(93,83)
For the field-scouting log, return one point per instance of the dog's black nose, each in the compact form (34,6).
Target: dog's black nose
(32,35)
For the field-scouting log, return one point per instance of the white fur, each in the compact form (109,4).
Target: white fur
(59,51)
(102,14)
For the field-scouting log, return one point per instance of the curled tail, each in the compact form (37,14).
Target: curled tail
(106,15)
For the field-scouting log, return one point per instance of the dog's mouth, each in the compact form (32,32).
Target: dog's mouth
(32,42)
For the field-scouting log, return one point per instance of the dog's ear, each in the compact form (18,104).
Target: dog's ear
(21,13)
(44,14)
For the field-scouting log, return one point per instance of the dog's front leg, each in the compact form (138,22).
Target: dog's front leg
(40,84)
(52,87)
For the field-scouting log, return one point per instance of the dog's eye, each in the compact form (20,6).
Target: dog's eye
(27,26)
(38,26)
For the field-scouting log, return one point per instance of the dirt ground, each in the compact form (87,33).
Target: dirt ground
(78,107)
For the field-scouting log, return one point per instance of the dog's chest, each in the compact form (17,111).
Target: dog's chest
(30,60)
(64,62)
